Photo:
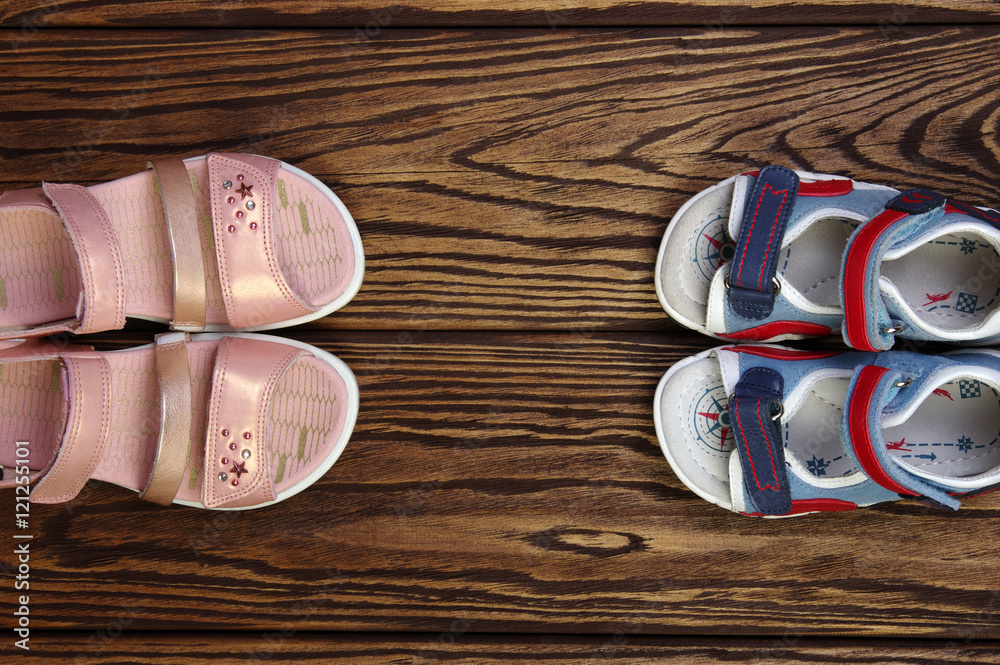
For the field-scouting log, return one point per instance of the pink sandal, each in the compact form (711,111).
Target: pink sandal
(218,421)
(224,242)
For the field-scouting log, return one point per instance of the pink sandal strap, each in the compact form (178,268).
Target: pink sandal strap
(237,468)
(181,214)
(253,288)
(174,446)
(101,266)
(89,381)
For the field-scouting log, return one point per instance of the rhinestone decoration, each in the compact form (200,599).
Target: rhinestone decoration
(244,191)
(225,460)
(225,432)
(253,225)
(232,229)
(246,435)
(239,177)
(239,468)
(223,476)
(231,199)
(239,214)
(250,205)
(232,446)
(227,184)
(245,454)
(235,482)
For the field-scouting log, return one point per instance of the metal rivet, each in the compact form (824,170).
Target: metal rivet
(235,482)
(246,454)
(253,225)
(232,229)
(225,432)
(239,214)
(251,205)
(231,199)
(225,460)
(223,476)
(232,446)
(239,177)
(227,184)
(905,382)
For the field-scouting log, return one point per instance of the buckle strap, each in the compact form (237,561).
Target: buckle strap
(181,214)
(101,264)
(867,325)
(89,381)
(755,263)
(174,445)
(753,408)
(871,390)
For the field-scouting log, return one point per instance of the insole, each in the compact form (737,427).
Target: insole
(812,434)
(40,275)
(32,409)
(811,262)
(945,283)
(308,412)
(954,433)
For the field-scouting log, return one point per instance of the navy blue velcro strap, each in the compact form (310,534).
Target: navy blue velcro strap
(991,217)
(755,263)
(753,407)
(916,201)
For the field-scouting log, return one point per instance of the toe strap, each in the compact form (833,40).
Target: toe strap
(765,218)
(752,408)
(237,464)
(254,289)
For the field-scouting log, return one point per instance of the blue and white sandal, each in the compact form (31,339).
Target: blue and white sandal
(781,254)
(830,431)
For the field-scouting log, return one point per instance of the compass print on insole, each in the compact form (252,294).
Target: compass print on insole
(711,419)
(712,248)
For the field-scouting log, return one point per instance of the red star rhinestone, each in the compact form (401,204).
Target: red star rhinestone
(239,468)
(245,191)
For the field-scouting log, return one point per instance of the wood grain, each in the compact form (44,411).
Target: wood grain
(373,15)
(512,179)
(458,646)
(512,483)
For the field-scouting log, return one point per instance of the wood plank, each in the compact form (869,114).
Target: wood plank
(512,483)
(372,16)
(457,645)
(512,179)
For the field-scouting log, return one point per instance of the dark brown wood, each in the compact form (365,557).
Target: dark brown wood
(512,483)
(457,644)
(512,179)
(371,16)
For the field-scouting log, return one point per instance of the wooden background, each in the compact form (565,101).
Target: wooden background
(511,169)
